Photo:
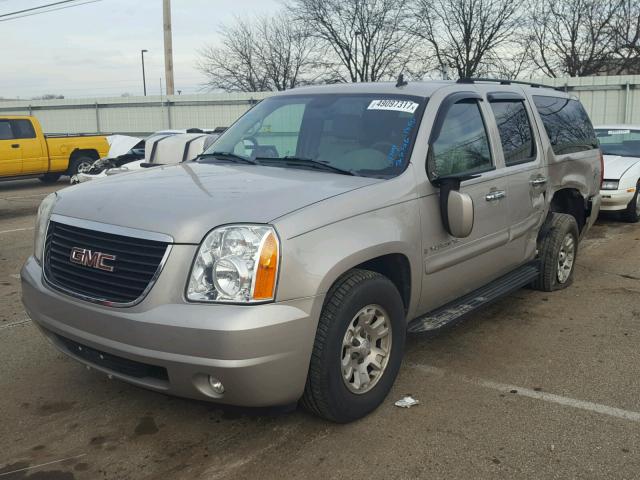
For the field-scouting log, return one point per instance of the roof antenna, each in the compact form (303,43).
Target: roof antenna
(401,81)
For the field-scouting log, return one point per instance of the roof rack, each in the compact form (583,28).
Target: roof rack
(508,82)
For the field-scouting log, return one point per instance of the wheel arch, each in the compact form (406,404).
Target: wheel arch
(80,152)
(394,264)
(569,200)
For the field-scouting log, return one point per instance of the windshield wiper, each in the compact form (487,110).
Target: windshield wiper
(305,162)
(227,156)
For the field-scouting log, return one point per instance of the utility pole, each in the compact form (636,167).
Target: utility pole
(168,48)
(144,80)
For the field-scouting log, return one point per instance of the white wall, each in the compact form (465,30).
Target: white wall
(614,99)
(135,115)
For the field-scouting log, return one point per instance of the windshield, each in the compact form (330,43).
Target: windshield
(623,142)
(368,135)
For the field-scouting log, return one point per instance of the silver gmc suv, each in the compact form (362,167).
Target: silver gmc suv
(289,260)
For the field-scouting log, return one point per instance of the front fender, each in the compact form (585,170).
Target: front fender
(313,261)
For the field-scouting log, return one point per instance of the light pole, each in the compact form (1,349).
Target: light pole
(356,33)
(144,81)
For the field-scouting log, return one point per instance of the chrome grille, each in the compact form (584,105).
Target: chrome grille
(137,263)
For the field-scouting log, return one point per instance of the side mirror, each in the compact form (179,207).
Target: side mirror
(456,208)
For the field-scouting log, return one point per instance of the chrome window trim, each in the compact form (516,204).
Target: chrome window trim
(116,230)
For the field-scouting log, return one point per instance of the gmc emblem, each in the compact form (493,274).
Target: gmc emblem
(88,258)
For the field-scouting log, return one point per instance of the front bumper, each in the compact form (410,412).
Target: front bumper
(615,199)
(260,353)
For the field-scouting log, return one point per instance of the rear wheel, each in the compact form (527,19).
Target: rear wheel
(632,213)
(358,347)
(79,164)
(557,252)
(50,177)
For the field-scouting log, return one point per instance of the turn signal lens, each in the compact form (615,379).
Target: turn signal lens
(267,269)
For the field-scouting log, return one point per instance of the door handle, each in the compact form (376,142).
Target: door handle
(494,195)
(538,181)
(15,145)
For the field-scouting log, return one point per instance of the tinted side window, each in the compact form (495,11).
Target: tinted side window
(5,130)
(567,124)
(516,135)
(23,129)
(463,143)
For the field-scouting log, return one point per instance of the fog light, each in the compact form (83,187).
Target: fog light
(216,385)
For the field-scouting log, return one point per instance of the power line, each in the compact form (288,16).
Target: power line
(46,11)
(36,8)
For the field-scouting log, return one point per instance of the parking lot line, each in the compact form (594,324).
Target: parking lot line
(538,395)
(15,324)
(16,230)
(25,196)
(41,465)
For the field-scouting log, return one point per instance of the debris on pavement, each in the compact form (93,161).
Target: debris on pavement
(407,402)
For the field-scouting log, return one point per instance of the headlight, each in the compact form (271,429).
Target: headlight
(237,264)
(42,220)
(609,185)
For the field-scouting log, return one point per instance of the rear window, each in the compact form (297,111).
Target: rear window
(23,129)
(567,124)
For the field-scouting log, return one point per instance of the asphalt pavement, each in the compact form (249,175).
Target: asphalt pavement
(538,385)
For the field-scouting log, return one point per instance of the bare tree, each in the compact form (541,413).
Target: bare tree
(574,37)
(626,33)
(467,37)
(48,96)
(234,65)
(511,62)
(370,39)
(260,54)
(286,52)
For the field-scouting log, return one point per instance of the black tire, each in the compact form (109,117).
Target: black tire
(76,163)
(326,394)
(50,177)
(632,213)
(557,228)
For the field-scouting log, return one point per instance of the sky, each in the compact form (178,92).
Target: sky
(94,50)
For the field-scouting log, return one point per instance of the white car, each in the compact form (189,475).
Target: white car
(620,145)
(161,148)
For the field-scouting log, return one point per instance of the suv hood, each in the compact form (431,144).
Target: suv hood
(615,166)
(186,201)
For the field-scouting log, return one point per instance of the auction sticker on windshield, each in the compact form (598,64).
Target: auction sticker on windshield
(398,105)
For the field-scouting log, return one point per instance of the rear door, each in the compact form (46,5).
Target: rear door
(524,169)
(10,152)
(466,145)
(35,158)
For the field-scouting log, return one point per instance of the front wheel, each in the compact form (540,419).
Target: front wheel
(632,213)
(358,347)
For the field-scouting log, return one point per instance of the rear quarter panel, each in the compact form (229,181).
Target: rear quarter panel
(579,170)
(61,149)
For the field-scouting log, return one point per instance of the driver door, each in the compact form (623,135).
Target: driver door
(455,266)
(10,151)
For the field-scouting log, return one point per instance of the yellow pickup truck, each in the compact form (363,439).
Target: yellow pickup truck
(26,152)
